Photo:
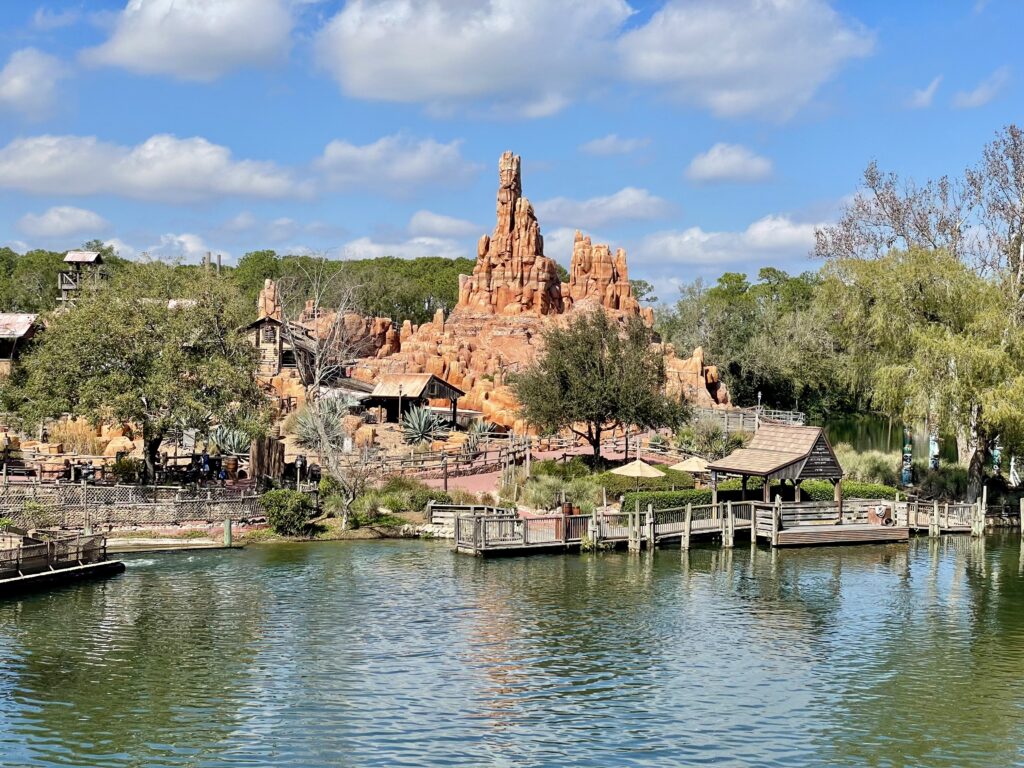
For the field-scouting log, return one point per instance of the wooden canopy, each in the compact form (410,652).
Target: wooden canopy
(398,392)
(780,452)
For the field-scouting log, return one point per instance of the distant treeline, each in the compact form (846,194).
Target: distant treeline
(401,289)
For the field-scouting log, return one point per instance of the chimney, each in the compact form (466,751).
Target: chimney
(206,261)
(218,263)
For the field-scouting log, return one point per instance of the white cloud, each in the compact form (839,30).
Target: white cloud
(628,204)
(395,164)
(282,228)
(241,222)
(367,248)
(729,162)
(743,56)
(429,224)
(558,244)
(922,98)
(163,168)
(771,236)
(196,39)
(613,144)
(185,247)
(28,83)
(525,57)
(123,249)
(61,221)
(984,92)
(46,20)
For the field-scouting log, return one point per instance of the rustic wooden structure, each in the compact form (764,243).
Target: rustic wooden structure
(83,267)
(396,393)
(16,329)
(34,562)
(780,453)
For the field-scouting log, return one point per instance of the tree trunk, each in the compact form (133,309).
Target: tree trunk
(971,448)
(151,445)
(595,442)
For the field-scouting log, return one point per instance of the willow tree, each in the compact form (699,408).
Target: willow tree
(926,339)
(596,375)
(158,348)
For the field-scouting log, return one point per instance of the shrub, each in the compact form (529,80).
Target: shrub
(616,485)
(5,523)
(328,487)
(421,425)
(666,499)
(127,470)
(288,512)
(419,499)
(574,467)
(869,466)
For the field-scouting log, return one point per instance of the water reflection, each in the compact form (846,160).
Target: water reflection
(400,653)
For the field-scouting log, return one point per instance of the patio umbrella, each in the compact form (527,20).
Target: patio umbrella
(637,469)
(694,464)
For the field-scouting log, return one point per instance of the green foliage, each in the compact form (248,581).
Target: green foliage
(153,347)
(6,523)
(232,440)
(948,482)
(869,466)
(666,499)
(421,425)
(127,470)
(595,375)
(616,485)
(328,487)
(288,512)
(705,437)
(575,467)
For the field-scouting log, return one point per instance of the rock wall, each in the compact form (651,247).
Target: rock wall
(512,276)
(512,295)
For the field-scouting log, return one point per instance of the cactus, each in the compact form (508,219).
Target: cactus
(421,425)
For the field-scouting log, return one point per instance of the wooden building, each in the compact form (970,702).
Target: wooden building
(278,348)
(16,329)
(397,393)
(779,453)
(83,266)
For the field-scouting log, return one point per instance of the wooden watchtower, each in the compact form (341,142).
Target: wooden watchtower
(83,269)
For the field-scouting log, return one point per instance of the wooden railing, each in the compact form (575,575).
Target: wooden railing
(54,554)
(446,514)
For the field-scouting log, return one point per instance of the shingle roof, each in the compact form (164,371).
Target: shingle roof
(14,325)
(410,384)
(773,447)
(83,257)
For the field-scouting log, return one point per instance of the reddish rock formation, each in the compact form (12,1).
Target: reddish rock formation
(512,275)
(512,295)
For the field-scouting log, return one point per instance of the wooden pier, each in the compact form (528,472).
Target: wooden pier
(28,563)
(779,524)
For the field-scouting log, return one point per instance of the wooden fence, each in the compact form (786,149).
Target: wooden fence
(78,506)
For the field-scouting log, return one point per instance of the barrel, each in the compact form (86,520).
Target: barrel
(231,467)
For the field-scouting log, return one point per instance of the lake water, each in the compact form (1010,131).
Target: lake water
(404,654)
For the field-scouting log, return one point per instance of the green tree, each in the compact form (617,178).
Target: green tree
(594,376)
(252,270)
(926,338)
(155,347)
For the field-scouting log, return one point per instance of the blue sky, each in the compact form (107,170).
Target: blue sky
(701,135)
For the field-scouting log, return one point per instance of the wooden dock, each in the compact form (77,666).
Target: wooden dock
(34,563)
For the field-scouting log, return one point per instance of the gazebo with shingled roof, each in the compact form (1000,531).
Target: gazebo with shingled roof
(780,453)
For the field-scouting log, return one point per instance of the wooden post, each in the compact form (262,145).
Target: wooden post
(444,470)
(945,511)
(1021,516)
(714,487)
(775,525)
(85,508)
(227,532)
(684,542)
(839,500)
(753,524)
(633,542)
(650,526)
(730,524)
(933,521)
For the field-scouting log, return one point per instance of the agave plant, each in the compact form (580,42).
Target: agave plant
(421,425)
(231,440)
(319,427)
(477,429)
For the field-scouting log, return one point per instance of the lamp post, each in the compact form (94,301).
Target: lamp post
(399,403)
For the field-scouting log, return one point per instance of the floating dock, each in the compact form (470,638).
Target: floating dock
(31,562)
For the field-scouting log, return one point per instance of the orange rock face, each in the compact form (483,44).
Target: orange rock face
(512,295)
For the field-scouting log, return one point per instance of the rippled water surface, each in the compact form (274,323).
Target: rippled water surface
(401,653)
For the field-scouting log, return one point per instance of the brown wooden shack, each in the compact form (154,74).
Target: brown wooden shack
(397,393)
(780,453)
(16,329)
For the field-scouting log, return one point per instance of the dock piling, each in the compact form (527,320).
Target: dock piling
(227,532)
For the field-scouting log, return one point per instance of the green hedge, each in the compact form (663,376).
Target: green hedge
(617,484)
(666,499)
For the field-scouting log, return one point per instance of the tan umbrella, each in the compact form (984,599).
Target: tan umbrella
(637,469)
(694,464)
